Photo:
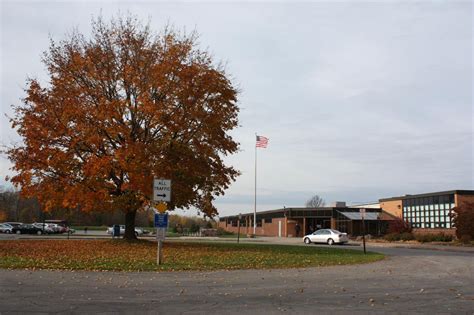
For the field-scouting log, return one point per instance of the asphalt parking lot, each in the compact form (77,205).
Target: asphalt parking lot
(409,280)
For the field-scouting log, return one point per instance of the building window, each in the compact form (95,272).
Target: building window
(428,212)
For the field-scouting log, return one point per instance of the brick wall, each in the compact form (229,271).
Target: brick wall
(394,207)
(435,231)
(267,229)
(458,199)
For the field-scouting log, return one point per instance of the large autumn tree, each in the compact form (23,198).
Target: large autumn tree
(122,107)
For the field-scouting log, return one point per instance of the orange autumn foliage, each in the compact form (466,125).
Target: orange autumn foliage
(119,109)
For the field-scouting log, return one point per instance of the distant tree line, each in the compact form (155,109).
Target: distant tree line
(180,224)
(14,208)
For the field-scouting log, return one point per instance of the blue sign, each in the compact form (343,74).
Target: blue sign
(161,220)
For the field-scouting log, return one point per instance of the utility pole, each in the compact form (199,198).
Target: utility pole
(255,198)
(238,228)
(362,214)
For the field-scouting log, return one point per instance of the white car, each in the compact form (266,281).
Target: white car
(47,228)
(5,228)
(328,236)
(57,228)
(138,231)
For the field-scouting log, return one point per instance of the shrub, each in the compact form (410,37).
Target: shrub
(423,238)
(391,237)
(445,238)
(194,228)
(399,226)
(221,231)
(407,236)
(463,219)
(441,237)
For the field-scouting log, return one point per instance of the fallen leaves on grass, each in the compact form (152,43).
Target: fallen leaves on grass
(118,255)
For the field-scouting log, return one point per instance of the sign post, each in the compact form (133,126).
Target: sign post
(162,190)
(161,224)
(238,230)
(161,195)
(362,214)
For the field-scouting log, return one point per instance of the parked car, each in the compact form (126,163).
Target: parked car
(45,227)
(27,229)
(70,230)
(5,228)
(13,224)
(138,231)
(57,228)
(328,236)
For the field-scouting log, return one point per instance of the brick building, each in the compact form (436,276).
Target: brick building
(427,213)
(283,222)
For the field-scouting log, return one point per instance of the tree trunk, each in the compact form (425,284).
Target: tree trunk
(130,225)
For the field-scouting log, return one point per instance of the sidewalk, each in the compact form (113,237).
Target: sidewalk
(298,241)
(447,247)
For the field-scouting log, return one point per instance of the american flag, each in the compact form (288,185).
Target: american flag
(262,142)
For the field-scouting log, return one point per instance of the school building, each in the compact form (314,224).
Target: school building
(284,222)
(427,213)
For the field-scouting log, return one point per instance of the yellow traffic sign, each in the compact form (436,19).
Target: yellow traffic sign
(161,207)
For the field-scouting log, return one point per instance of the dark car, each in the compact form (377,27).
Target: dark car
(27,229)
(13,224)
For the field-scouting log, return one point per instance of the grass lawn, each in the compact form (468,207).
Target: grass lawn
(102,228)
(232,236)
(119,255)
(90,228)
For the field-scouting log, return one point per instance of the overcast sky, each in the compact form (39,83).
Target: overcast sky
(360,100)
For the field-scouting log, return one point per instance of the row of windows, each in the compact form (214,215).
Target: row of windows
(432,200)
(427,219)
(442,206)
(446,211)
(432,225)
(243,222)
(429,212)
(415,214)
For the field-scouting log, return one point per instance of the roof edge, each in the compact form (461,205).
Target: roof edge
(458,192)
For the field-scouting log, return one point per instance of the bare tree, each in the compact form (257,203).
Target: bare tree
(9,199)
(315,202)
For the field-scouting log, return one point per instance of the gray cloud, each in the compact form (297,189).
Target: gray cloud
(360,101)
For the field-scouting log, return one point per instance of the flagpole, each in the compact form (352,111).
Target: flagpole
(255,199)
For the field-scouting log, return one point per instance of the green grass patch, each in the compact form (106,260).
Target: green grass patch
(232,236)
(90,228)
(120,255)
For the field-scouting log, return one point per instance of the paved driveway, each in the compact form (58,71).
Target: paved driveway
(409,280)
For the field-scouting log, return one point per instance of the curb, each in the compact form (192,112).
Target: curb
(446,248)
